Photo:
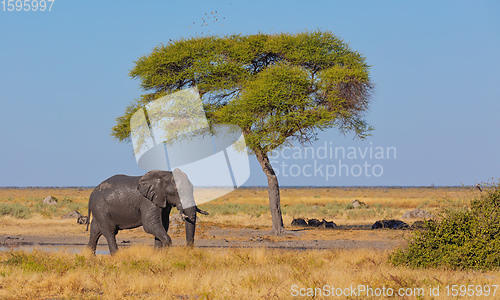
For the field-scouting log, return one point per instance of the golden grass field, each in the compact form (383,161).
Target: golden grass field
(180,273)
(141,272)
(306,203)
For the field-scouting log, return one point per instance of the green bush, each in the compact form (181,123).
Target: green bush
(15,209)
(464,238)
(304,210)
(348,206)
(25,211)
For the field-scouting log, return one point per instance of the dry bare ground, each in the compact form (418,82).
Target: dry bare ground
(234,258)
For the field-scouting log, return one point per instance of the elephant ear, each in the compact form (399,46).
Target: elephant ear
(153,186)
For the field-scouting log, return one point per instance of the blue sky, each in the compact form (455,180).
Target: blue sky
(64,79)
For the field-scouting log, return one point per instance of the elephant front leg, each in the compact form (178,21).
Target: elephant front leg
(157,225)
(162,239)
(165,219)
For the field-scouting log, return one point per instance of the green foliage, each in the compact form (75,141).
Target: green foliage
(16,210)
(39,262)
(348,206)
(255,210)
(45,209)
(276,87)
(301,210)
(35,205)
(69,207)
(465,238)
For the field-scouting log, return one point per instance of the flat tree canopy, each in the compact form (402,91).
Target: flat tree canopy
(278,88)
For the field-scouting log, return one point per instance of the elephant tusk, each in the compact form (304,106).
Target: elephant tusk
(201,211)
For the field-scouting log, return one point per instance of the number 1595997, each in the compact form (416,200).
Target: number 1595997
(27,5)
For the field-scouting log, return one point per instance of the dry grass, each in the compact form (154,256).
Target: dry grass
(398,196)
(246,207)
(140,272)
(394,196)
(333,204)
(30,195)
(39,225)
(185,273)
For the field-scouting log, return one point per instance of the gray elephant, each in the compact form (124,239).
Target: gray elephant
(126,202)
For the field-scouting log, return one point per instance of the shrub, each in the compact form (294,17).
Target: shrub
(464,238)
(234,208)
(15,209)
(349,206)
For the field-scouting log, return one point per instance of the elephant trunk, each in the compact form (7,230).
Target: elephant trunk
(190,224)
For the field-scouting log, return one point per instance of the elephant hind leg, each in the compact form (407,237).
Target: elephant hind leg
(111,238)
(109,232)
(95,234)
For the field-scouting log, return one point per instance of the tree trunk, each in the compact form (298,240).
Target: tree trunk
(274,194)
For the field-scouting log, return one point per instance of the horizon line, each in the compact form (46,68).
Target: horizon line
(259,186)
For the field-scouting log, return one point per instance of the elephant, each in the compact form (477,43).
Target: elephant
(126,202)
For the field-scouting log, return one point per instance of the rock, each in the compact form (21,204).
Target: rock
(314,223)
(299,222)
(72,214)
(417,213)
(356,203)
(328,224)
(49,200)
(390,224)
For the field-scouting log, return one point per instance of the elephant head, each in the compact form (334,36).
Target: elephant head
(187,206)
(175,189)
(159,187)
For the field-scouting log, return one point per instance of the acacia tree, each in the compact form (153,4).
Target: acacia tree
(278,88)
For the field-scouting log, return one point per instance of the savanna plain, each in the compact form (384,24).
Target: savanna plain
(44,257)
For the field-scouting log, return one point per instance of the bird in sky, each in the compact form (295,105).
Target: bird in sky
(205,20)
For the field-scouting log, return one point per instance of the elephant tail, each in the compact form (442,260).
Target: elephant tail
(88,220)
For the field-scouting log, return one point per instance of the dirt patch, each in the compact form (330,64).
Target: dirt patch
(211,236)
